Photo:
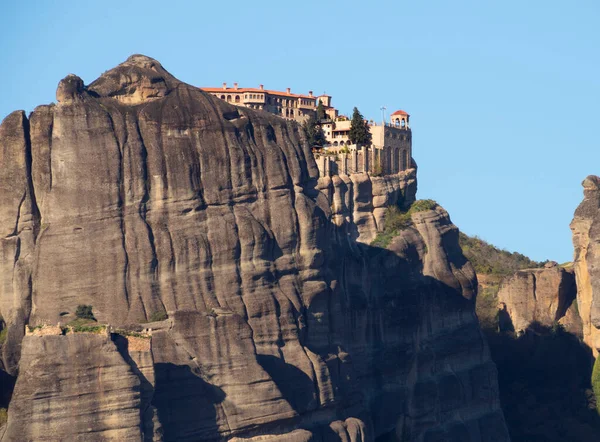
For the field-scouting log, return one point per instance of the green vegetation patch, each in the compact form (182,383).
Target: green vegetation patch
(487,306)
(490,260)
(82,325)
(158,316)
(596,382)
(84,312)
(396,220)
(33,328)
(89,328)
(3,335)
(3,416)
(131,333)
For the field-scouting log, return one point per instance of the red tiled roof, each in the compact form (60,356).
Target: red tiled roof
(241,90)
(399,112)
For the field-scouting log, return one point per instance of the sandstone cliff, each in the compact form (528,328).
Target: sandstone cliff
(585,227)
(539,296)
(139,194)
(71,387)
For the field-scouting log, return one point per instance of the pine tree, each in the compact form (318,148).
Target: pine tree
(359,129)
(321,112)
(314,133)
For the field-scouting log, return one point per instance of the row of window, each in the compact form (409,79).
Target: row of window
(274,100)
(399,160)
(397,136)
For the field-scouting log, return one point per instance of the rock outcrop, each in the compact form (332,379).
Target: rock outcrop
(139,194)
(586,231)
(75,387)
(539,296)
(361,200)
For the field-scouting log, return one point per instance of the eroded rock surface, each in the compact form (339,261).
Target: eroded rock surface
(586,231)
(539,296)
(139,194)
(361,200)
(75,387)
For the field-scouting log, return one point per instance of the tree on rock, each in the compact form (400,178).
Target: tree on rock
(314,133)
(321,115)
(84,312)
(359,129)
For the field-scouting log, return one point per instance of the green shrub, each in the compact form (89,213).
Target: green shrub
(131,333)
(33,328)
(80,325)
(158,316)
(84,312)
(397,220)
(422,205)
(596,382)
(487,307)
(3,335)
(3,416)
(86,327)
(490,260)
(377,170)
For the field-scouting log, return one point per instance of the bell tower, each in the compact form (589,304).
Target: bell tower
(400,119)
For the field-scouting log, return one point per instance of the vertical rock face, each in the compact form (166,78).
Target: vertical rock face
(586,231)
(75,387)
(361,199)
(540,296)
(139,194)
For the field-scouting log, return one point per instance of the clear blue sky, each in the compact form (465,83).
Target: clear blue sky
(504,96)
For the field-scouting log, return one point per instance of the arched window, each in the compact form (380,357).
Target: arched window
(403,159)
(397,122)
(237,98)
(229,98)
(403,123)
(222,97)
(342,143)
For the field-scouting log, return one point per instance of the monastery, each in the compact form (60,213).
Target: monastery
(390,151)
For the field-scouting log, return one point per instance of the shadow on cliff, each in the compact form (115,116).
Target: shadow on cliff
(295,386)
(7,385)
(380,300)
(544,380)
(146,388)
(187,405)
